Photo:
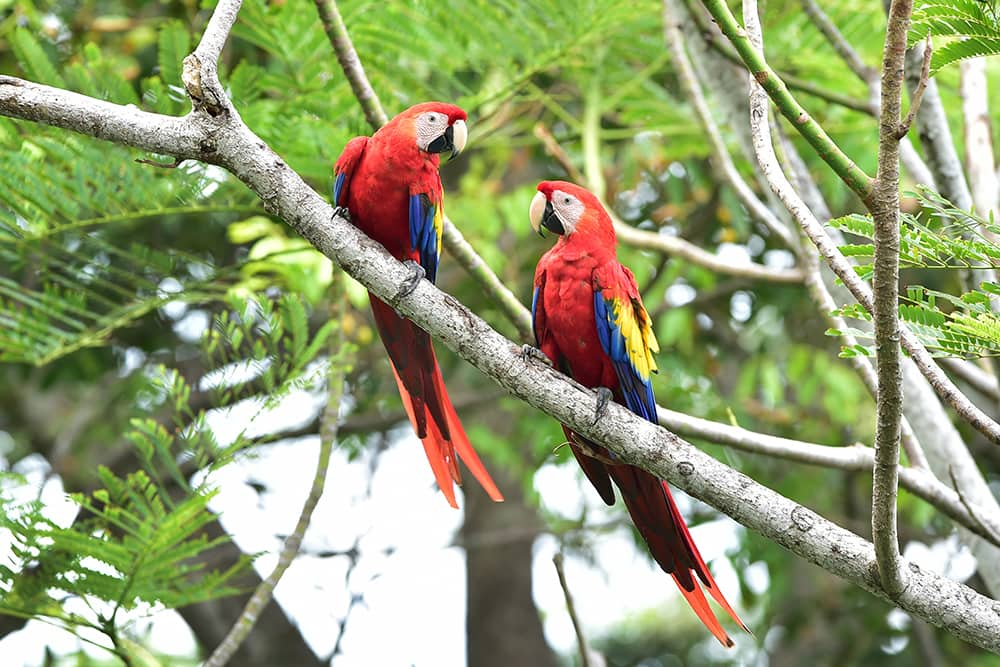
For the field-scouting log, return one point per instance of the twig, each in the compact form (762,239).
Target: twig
(336,32)
(451,238)
(720,154)
(328,436)
(968,615)
(885,214)
(173,164)
(859,458)
(851,174)
(918,94)
(992,531)
(935,135)
(581,640)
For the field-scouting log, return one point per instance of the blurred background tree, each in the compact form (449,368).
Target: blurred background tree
(114,271)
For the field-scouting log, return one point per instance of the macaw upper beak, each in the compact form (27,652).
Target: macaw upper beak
(453,139)
(542,214)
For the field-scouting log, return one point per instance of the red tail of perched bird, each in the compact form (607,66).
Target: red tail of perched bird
(389,185)
(589,320)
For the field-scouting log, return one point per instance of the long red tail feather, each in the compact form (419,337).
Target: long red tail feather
(661,525)
(426,402)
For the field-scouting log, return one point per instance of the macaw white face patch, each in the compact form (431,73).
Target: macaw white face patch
(568,209)
(430,125)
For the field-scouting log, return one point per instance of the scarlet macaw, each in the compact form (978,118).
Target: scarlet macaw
(388,184)
(589,321)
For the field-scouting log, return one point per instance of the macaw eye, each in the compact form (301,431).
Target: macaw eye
(432,118)
(566,200)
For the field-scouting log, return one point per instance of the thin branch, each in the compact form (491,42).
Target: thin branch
(712,37)
(843,48)
(851,174)
(885,214)
(862,364)
(918,94)
(678,247)
(944,387)
(328,436)
(674,246)
(451,238)
(982,520)
(720,154)
(967,614)
(857,458)
(336,31)
(967,371)
(581,640)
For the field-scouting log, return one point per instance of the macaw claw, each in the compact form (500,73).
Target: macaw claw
(342,212)
(530,352)
(604,397)
(410,283)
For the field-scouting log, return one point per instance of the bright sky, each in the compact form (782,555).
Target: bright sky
(419,589)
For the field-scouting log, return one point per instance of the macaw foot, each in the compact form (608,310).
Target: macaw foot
(530,352)
(410,283)
(342,212)
(604,397)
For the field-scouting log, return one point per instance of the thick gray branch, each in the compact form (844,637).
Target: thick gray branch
(962,611)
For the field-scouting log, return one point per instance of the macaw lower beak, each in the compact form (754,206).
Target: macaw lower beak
(542,214)
(453,139)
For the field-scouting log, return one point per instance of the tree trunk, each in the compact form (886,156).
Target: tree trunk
(502,624)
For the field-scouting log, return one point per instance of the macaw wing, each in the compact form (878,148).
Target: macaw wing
(595,470)
(426,226)
(344,169)
(626,334)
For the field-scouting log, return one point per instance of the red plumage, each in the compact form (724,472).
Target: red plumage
(390,185)
(589,320)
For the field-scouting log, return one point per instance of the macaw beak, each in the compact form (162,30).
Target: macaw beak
(453,139)
(542,214)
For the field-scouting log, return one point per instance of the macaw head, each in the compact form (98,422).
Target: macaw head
(572,212)
(436,127)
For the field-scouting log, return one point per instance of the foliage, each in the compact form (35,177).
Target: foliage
(942,237)
(973,25)
(139,541)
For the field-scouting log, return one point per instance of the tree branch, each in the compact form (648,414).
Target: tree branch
(712,38)
(918,93)
(328,435)
(349,61)
(920,483)
(843,269)
(965,613)
(721,158)
(885,214)
(581,640)
(851,174)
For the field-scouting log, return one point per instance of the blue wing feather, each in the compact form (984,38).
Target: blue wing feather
(424,233)
(338,185)
(637,392)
